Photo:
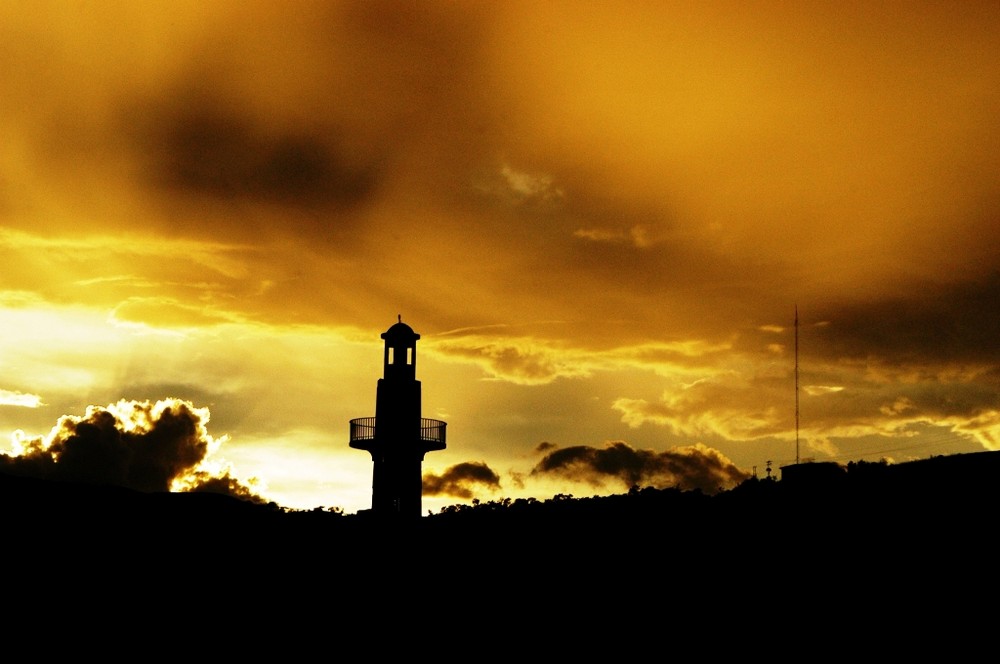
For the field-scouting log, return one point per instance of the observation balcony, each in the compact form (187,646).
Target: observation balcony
(432,433)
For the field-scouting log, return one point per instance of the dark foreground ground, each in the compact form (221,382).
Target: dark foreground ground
(860,548)
(943,503)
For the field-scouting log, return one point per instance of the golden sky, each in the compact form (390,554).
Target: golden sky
(599,216)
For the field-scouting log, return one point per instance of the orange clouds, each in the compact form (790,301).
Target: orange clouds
(612,209)
(708,151)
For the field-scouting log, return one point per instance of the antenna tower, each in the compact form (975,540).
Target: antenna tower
(796,384)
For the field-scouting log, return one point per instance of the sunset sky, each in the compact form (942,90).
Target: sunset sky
(599,216)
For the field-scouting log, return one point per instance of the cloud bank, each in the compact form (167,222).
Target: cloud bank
(139,445)
(461,480)
(691,467)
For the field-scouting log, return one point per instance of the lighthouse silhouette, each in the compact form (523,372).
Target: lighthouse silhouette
(398,437)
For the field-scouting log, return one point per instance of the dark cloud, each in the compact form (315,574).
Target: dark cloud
(694,467)
(226,485)
(204,146)
(138,445)
(460,480)
(932,323)
(221,121)
(317,112)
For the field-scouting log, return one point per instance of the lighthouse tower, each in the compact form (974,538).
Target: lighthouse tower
(398,437)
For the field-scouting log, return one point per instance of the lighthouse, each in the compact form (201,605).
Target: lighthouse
(398,437)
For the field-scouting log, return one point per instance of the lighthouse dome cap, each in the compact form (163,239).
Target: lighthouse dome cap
(400,330)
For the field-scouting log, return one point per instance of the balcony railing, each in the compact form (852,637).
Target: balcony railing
(431,431)
(363,428)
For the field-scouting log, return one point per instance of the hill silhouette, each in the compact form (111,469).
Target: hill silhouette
(824,513)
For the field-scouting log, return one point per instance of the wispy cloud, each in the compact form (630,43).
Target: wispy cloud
(9,398)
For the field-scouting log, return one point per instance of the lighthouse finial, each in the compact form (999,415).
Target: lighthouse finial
(399,318)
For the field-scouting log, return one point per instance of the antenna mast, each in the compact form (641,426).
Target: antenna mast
(796,384)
